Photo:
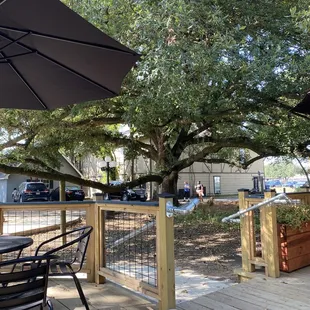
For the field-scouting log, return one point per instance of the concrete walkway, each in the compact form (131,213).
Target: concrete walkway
(188,283)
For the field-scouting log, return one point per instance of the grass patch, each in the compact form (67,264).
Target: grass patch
(210,215)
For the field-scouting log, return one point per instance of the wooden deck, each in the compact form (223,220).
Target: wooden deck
(108,296)
(289,292)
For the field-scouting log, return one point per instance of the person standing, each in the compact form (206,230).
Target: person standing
(186,191)
(14,194)
(199,191)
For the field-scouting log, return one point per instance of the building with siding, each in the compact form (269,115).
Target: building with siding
(220,178)
(216,178)
(10,181)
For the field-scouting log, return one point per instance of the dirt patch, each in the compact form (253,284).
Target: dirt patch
(202,242)
(207,246)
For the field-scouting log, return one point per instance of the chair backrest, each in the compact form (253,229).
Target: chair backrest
(24,282)
(80,243)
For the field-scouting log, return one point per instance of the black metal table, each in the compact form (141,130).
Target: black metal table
(14,243)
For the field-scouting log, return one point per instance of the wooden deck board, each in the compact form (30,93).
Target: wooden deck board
(233,301)
(109,296)
(289,292)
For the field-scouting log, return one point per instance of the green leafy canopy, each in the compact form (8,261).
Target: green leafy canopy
(214,76)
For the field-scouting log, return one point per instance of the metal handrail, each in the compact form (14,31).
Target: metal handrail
(257,206)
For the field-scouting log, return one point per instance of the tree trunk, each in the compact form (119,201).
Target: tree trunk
(169,185)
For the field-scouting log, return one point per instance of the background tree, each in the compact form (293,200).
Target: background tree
(282,168)
(214,77)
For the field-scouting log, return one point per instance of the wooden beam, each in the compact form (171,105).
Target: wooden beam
(270,238)
(91,249)
(63,219)
(130,282)
(165,255)
(247,233)
(146,209)
(100,243)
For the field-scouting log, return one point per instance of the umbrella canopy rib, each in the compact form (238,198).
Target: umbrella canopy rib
(20,76)
(48,36)
(7,58)
(77,73)
(59,64)
(13,42)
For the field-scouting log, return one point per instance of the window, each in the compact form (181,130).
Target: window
(46,182)
(242,156)
(217,184)
(36,187)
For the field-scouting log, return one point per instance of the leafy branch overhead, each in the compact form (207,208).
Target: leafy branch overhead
(215,77)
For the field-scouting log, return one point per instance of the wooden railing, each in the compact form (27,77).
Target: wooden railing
(164,287)
(97,265)
(43,221)
(266,216)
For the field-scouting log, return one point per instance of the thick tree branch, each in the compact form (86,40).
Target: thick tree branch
(76,180)
(13,142)
(96,121)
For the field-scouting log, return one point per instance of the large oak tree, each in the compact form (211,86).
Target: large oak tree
(215,76)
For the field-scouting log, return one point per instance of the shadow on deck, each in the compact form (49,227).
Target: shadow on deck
(289,292)
(106,296)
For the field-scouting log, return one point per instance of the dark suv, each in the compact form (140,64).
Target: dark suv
(126,194)
(31,191)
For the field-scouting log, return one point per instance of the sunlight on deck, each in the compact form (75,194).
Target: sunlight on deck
(64,296)
(289,292)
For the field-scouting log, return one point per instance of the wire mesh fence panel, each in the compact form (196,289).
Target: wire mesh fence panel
(258,233)
(131,245)
(42,225)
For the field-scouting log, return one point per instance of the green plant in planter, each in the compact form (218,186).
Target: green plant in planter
(293,215)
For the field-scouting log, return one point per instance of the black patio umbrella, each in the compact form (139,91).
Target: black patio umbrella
(303,106)
(51,57)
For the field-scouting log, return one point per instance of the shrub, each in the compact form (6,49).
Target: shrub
(293,215)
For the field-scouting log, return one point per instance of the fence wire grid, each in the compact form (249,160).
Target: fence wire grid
(131,245)
(41,226)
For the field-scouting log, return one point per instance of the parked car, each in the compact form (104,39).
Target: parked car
(290,184)
(31,191)
(72,193)
(272,183)
(302,184)
(126,194)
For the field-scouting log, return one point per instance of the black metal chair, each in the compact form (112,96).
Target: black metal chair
(64,267)
(23,283)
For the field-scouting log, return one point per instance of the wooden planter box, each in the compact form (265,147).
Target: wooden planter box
(294,247)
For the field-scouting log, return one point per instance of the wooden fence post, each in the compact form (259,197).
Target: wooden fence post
(91,220)
(100,244)
(269,233)
(1,226)
(1,221)
(165,254)
(247,233)
(63,217)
